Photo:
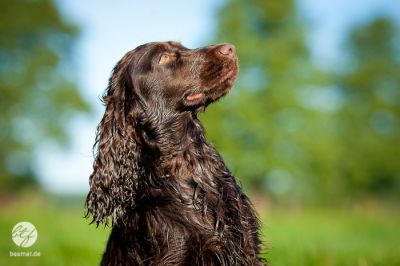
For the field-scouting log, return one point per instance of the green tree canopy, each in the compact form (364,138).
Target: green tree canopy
(38,96)
(371,110)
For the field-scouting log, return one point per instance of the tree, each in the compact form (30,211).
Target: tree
(38,96)
(371,111)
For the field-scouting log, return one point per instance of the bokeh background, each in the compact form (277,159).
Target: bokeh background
(311,128)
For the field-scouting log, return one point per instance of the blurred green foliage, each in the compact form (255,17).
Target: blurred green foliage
(369,117)
(38,95)
(301,133)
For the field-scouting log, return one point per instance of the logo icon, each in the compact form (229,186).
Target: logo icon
(24,234)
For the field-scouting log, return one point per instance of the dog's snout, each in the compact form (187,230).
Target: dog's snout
(227,50)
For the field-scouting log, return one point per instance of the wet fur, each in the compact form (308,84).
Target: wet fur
(167,193)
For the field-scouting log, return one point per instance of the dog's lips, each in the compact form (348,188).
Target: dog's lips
(216,88)
(229,75)
(225,83)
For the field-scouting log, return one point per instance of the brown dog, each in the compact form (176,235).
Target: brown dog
(169,195)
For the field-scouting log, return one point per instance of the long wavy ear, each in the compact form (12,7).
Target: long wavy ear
(113,183)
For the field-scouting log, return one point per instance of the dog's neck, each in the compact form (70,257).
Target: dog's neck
(172,133)
(179,136)
(182,132)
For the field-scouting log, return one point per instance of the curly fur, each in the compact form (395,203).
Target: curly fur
(166,192)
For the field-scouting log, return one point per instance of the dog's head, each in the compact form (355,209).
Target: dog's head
(175,77)
(149,84)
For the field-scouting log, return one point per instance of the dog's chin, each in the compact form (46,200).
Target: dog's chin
(197,100)
(208,94)
(221,88)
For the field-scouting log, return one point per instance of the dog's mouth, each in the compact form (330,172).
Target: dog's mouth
(223,86)
(215,88)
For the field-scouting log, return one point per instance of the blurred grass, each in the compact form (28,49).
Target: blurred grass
(357,237)
(64,236)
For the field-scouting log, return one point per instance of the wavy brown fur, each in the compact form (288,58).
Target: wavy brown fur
(169,196)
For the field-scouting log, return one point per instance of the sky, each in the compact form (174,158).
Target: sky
(111,28)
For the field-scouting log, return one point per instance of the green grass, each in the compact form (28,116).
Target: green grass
(361,237)
(64,236)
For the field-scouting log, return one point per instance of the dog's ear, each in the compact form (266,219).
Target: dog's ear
(113,183)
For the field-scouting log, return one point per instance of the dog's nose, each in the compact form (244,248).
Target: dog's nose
(227,50)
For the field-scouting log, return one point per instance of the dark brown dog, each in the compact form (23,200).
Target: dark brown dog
(167,192)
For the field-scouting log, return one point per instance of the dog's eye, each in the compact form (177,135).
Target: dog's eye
(165,58)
